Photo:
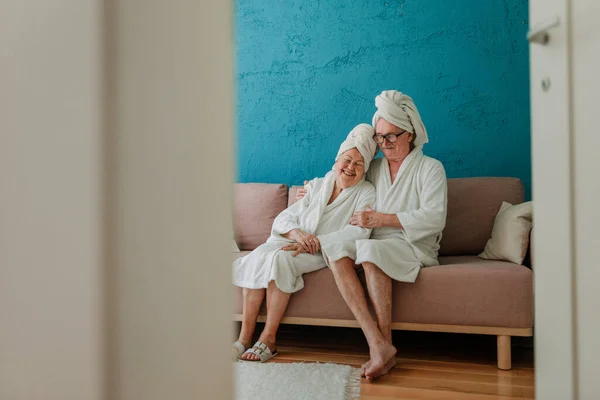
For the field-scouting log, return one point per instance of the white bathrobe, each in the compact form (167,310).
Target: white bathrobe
(329,223)
(418,197)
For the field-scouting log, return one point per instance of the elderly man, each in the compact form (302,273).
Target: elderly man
(406,223)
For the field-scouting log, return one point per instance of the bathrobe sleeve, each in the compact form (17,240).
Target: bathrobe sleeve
(430,217)
(288,219)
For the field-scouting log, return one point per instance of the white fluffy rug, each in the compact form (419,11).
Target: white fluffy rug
(279,381)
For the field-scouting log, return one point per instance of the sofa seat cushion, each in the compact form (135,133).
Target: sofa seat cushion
(464,290)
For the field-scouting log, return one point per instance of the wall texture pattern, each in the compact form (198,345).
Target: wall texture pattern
(308,71)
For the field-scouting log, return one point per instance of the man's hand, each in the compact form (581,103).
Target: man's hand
(302,192)
(368,218)
(295,247)
(308,242)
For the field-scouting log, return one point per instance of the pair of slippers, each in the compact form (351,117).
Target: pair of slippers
(259,348)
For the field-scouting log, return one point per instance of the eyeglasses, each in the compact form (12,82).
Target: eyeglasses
(390,137)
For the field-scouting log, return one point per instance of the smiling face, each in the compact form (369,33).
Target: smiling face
(349,168)
(397,150)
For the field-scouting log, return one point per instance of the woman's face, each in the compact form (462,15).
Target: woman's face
(349,168)
(397,150)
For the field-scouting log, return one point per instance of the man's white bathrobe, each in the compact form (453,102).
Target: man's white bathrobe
(329,223)
(418,197)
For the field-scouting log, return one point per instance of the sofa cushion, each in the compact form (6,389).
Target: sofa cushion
(467,290)
(472,207)
(510,234)
(255,207)
(464,291)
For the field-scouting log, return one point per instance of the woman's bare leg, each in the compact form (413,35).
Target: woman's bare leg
(252,300)
(277,302)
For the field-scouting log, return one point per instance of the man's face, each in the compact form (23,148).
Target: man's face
(397,150)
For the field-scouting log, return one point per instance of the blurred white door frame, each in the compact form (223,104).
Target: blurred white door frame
(115,204)
(564,98)
(585,57)
(172,118)
(551,143)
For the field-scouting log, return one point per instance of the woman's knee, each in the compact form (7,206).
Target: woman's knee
(283,258)
(282,266)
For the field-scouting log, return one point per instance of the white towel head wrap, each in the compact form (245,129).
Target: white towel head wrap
(400,110)
(360,137)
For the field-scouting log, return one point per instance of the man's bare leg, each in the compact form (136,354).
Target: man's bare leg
(379,287)
(277,302)
(252,300)
(380,349)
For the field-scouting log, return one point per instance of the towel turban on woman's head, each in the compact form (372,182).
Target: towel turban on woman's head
(360,137)
(398,109)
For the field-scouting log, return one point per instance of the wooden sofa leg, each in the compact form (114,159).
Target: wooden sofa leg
(504,356)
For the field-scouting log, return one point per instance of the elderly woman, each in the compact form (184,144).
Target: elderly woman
(307,236)
(406,224)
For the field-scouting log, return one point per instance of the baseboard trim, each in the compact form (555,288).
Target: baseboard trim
(405,326)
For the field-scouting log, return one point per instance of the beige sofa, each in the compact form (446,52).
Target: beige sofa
(464,294)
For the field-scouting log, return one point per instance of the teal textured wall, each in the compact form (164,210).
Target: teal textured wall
(308,71)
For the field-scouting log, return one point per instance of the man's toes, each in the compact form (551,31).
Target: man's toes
(364,367)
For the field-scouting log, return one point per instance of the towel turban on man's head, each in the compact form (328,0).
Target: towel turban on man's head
(398,109)
(360,137)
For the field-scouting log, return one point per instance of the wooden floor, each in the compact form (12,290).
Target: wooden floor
(430,365)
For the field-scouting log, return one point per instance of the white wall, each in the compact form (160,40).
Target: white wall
(586,163)
(50,200)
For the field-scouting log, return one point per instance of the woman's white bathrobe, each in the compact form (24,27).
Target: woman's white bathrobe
(418,197)
(329,223)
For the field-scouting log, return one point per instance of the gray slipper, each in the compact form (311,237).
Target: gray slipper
(262,351)
(237,350)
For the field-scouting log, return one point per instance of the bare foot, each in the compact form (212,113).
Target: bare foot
(364,367)
(381,360)
(389,365)
(249,357)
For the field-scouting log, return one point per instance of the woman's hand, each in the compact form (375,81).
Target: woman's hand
(308,242)
(368,218)
(295,247)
